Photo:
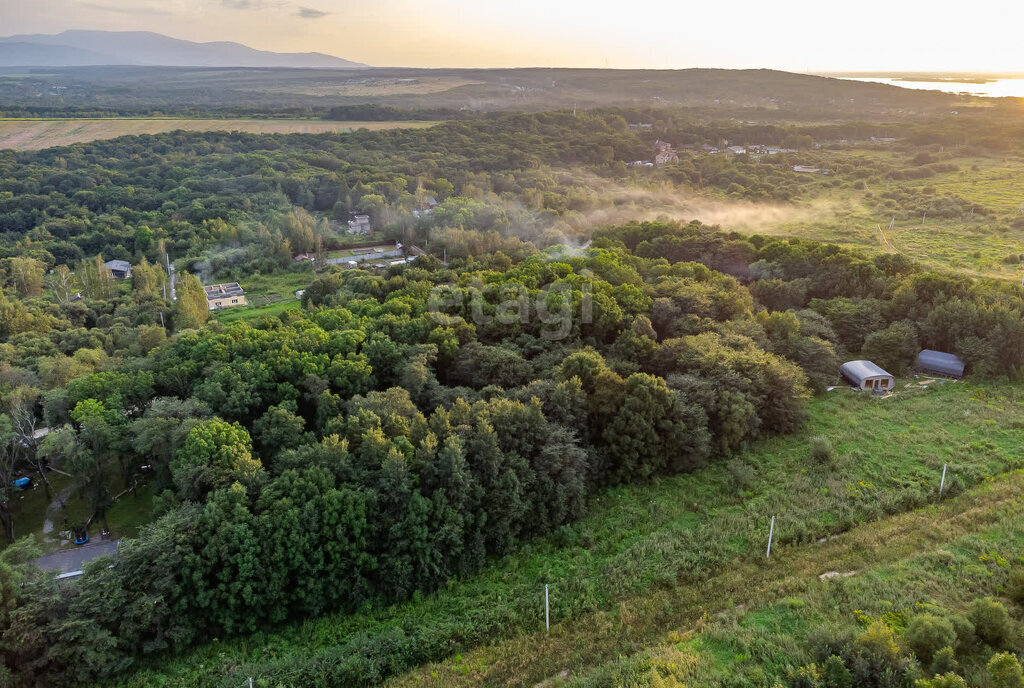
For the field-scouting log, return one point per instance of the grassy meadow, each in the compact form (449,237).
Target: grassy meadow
(945,556)
(37,134)
(979,245)
(658,558)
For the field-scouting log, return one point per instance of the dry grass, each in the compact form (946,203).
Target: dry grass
(372,87)
(40,134)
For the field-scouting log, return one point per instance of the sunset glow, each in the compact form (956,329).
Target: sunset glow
(794,35)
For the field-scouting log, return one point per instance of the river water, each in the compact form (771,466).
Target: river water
(997,88)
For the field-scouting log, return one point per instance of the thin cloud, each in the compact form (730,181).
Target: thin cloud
(127,10)
(248,5)
(310,13)
(244,4)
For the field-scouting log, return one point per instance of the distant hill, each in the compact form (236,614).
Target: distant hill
(144,48)
(745,94)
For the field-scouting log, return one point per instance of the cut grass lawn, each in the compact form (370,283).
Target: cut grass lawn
(650,556)
(39,134)
(255,311)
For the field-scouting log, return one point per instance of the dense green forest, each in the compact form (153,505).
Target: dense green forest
(407,425)
(515,174)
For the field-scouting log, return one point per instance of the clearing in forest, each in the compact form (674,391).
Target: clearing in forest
(37,134)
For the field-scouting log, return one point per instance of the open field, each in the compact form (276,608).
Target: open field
(753,619)
(365,86)
(986,244)
(27,134)
(946,556)
(656,558)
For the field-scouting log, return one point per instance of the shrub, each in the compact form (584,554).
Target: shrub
(1004,671)
(742,474)
(807,676)
(927,634)
(947,680)
(835,673)
(878,641)
(821,449)
(991,621)
(965,636)
(1015,588)
(944,661)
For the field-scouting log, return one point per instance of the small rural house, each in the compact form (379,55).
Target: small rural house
(359,225)
(121,269)
(224,295)
(665,157)
(427,203)
(940,363)
(867,375)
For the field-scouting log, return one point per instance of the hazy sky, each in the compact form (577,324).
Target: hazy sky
(798,35)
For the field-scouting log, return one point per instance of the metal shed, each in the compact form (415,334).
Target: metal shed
(867,375)
(940,363)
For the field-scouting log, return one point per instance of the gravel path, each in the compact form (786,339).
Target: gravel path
(74,559)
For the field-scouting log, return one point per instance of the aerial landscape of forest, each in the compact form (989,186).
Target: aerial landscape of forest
(320,374)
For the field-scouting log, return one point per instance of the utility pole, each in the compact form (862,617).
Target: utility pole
(942,482)
(771,533)
(547,610)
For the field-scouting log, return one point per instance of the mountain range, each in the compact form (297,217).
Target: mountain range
(144,48)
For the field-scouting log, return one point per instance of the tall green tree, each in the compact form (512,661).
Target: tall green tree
(8,465)
(191,310)
(216,454)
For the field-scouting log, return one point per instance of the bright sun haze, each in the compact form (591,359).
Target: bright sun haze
(795,35)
